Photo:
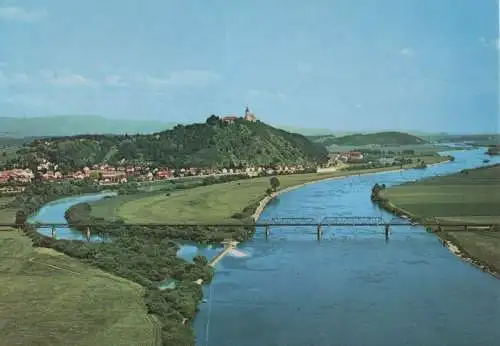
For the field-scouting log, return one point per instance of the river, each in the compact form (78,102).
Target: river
(352,288)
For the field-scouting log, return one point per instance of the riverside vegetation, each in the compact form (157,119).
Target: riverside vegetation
(470,197)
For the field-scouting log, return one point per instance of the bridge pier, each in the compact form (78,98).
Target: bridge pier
(319,232)
(88,234)
(387,231)
(54,231)
(466,228)
(267,231)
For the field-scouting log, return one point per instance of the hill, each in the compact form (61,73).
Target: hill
(66,125)
(210,144)
(482,139)
(306,131)
(388,138)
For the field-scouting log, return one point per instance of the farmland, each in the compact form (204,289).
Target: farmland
(472,196)
(48,298)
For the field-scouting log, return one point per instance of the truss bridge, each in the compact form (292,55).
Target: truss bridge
(281,222)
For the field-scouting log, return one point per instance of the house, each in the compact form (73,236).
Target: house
(51,176)
(229,119)
(5,176)
(112,176)
(163,174)
(344,157)
(355,156)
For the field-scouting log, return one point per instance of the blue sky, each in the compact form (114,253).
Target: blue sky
(428,65)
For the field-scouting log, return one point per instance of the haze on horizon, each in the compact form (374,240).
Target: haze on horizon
(344,65)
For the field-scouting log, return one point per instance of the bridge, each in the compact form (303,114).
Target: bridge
(296,222)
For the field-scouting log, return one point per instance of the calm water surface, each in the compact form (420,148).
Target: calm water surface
(352,288)
(53,212)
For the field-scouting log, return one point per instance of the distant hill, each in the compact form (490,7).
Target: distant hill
(210,144)
(473,138)
(306,131)
(69,125)
(388,138)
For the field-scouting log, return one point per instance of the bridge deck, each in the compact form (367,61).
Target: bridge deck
(270,223)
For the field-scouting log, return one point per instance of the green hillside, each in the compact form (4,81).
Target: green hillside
(388,138)
(70,125)
(306,131)
(210,144)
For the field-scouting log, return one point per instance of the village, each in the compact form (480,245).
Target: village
(109,175)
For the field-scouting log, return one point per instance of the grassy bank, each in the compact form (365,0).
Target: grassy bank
(7,214)
(209,204)
(471,196)
(48,298)
(142,255)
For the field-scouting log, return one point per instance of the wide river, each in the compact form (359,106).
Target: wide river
(352,288)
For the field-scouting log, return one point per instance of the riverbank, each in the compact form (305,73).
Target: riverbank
(471,197)
(266,200)
(228,202)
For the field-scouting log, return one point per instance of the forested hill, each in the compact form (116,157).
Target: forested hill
(379,138)
(210,144)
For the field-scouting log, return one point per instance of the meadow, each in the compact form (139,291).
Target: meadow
(207,204)
(471,196)
(7,215)
(48,298)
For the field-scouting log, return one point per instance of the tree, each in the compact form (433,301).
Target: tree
(20,218)
(275,183)
(200,260)
(213,120)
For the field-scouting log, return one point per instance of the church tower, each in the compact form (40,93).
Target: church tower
(249,116)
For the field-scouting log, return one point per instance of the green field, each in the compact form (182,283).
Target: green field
(47,298)
(213,203)
(7,215)
(471,196)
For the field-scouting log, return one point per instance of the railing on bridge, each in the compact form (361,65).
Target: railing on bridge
(336,221)
(352,221)
(288,221)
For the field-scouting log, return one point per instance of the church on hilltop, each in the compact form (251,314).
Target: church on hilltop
(249,116)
